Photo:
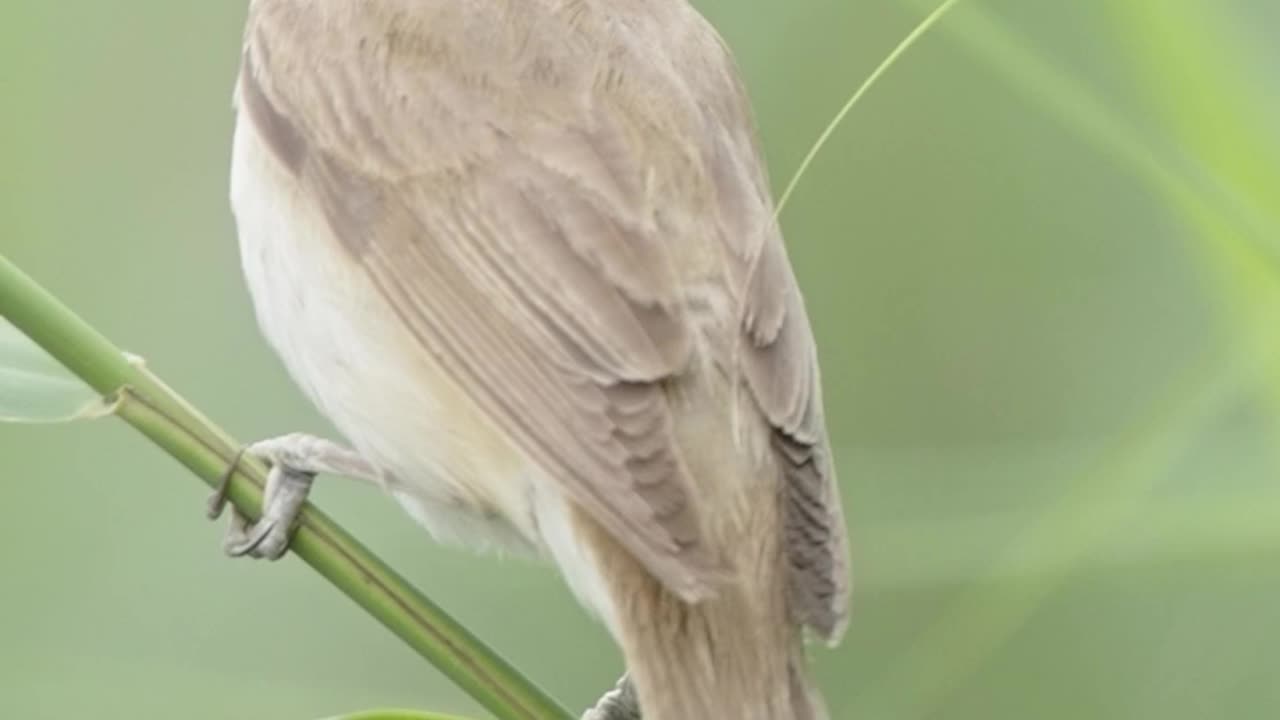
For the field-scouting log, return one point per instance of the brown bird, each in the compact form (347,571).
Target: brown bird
(522,253)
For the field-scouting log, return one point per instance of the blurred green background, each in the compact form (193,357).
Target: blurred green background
(1041,259)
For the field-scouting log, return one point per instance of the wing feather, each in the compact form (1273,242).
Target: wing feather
(778,360)
(520,246)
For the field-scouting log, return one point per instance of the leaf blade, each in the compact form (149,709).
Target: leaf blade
(394,714)
(35,388)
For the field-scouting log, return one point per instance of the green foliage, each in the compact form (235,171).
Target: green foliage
(1040,260)
(148,404)
(34,388)
(394,715)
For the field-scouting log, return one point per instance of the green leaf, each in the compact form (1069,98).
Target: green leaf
(395,715)
(35,388)
(174,425)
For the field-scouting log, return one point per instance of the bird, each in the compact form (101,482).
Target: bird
(523,255)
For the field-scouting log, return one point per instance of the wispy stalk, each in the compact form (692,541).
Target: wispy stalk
(929,21)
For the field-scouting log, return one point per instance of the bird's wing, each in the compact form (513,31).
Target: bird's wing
(778,360)
(780,365)
(509,219)
(528,265)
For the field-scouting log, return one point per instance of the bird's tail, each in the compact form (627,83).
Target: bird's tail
(735,656)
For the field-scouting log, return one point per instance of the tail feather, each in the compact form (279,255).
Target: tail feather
(735,656)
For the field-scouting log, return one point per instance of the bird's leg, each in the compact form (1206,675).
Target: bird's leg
(295,460)
(617,704)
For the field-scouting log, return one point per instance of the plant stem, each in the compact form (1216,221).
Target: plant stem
(179,429)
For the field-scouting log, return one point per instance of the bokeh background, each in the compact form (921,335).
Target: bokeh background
(1041,258)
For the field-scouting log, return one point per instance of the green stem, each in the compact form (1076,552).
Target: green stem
(175,426)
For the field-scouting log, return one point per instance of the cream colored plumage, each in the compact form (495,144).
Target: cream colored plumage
(521,252)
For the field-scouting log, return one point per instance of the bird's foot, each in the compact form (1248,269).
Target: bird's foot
(617,704)
(295,460)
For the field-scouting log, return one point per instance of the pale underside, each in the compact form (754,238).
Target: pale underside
(526,267)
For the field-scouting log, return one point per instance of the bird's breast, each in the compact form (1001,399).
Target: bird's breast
(353,357)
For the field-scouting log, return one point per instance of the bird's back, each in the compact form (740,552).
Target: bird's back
(563,207)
